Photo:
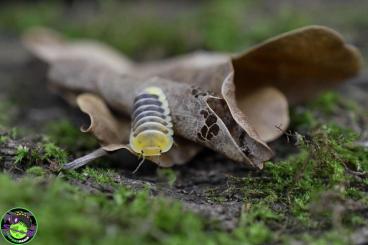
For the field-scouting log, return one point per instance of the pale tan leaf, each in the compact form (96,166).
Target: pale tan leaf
(50,47)
(267,109)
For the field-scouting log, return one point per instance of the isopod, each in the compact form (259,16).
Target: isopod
(151,129)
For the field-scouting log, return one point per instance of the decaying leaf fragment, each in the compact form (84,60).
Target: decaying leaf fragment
(232,104)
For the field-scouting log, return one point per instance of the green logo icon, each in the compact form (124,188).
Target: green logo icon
(18,226)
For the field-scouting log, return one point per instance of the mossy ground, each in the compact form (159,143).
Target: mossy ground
(314,192)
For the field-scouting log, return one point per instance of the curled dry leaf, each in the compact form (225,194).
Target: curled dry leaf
(229,103)
(301,63)
(107,129)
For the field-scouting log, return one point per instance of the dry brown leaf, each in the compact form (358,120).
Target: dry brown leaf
(301,63)
(298,63)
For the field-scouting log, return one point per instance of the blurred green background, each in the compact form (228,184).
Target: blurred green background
(155,29)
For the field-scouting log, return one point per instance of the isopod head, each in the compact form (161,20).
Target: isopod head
(151,143)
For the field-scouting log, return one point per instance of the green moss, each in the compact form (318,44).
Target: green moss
(213,196)
(320,110)
(167,175)
(36,170)
(357,220)
(320,166)
(302,118)
(101,176)
(327,102)
(128,218)
(338,237)
(299,181)
(331,102)
(216,196)
(14,133)
(4,139)
(257,233)
(40,154)
(253,223)
(21,154)
(54,153)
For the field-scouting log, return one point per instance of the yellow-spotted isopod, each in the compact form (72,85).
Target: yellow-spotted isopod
(151,129)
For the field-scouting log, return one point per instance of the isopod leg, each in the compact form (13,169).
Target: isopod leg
(79,162)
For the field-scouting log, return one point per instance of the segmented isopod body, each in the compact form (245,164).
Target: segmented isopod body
(151,130)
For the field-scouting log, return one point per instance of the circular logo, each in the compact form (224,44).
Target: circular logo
(18,226)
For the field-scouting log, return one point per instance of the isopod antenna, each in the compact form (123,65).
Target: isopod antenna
(139,166)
